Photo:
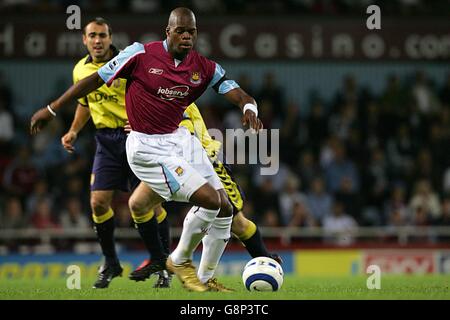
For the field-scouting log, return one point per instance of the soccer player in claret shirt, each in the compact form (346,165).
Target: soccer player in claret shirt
(163,78)
(110,171)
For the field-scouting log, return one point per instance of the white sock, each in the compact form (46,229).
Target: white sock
(214,244)
(196,224)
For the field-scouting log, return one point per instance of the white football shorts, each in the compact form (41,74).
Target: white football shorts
(174,165)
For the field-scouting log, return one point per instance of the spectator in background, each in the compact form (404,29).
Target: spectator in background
(267,199)
(301,217)
(289,196)
(350,198)
(43,217)
(290,134)
(423,96)
(277,180)
(400,151)
(424,202)
(395,211)
(394,103)
(73,216)
(339,226)
(268,116)
(318,200)
(246,84)
(270,218)
(21,174)
(75,188)
(308,168)
(13,216)
(6,126)
(376,180)
(340,169)
(272,92)
(317,124)
(372,126)
(47,149)
(327,151)
(348,94)
(40,191)
(342,122)
(426,168)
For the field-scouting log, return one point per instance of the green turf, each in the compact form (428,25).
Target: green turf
(392,287)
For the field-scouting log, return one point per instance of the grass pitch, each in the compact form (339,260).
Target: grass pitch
(426,287)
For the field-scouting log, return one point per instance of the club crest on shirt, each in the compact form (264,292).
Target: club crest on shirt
(179,171)
(196,77)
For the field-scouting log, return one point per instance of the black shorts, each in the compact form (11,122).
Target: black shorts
(233,190)
(110,170)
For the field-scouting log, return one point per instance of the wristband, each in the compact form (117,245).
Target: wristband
(53,113)
(250,107)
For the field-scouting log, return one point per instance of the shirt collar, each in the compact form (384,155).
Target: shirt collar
(176,61)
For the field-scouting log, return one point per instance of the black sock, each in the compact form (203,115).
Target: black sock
(164,233)
(105,235)
(255,245)
(149,233)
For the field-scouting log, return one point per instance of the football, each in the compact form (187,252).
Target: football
(262,274)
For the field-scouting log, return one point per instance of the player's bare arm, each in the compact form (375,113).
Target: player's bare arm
(44,115)
(82,115)
(240,98)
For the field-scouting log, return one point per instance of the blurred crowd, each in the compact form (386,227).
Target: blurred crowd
(358,159)
(238,7)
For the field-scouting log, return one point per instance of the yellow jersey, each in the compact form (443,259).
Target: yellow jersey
(193,121)
(106,104)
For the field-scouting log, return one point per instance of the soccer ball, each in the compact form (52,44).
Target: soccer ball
(262,274)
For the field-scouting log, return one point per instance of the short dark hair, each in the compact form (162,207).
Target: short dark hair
(100,21)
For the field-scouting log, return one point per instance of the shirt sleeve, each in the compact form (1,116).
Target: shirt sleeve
(122,65)
(220,82)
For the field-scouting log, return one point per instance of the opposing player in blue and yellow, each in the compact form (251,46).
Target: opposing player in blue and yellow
(110,171)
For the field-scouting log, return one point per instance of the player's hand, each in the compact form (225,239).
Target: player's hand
(68,140)
(39,120)
(252,120)
(127,127)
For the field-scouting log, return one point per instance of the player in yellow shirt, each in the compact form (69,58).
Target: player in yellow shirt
(110,170)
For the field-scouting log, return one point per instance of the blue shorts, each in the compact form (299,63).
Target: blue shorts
(110,170)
